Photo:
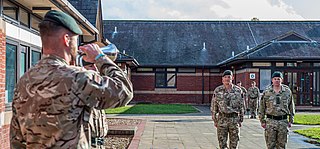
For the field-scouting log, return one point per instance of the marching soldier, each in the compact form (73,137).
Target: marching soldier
(253,97)
(227,111)
(244,96)
(276,112)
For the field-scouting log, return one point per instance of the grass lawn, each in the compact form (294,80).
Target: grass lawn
(307,119)
(153,109)
(310,132)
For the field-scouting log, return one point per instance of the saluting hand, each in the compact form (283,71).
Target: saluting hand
(91,51)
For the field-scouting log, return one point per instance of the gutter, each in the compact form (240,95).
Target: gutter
(65,5)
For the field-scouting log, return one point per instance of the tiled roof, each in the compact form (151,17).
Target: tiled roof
(197,43)
(88,8)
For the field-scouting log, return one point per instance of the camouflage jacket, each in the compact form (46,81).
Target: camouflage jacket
(50,100)
(253,92)
(244,91)
(226,102)
(277,104)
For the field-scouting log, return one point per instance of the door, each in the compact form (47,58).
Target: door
(300,84)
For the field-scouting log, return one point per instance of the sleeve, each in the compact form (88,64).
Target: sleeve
(262,110)
(241,114)
(16,138)
(111,88)
(292,109)
(214,107)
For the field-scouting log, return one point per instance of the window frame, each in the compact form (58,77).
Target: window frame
(17,21)
(166,71)
(29,48)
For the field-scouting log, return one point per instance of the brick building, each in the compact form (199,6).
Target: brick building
(182,61)
(20,44)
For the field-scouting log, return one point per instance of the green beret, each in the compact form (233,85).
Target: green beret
(277,74)
(227,72)
(64,20)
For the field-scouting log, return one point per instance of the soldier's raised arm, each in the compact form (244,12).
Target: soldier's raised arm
(110,88)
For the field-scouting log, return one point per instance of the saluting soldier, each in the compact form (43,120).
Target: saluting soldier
(253,97)
(50,98)
(276,107)
(227,111)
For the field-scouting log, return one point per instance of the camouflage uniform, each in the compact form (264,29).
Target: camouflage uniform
(227,111)
(97,128)
(244,95)
(274,109)
(253,97)
(50,101)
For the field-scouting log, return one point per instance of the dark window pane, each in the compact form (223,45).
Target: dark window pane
(35,22)
(160,69)
(35,57)
(10,70)
(10,9)
(160,79)
(24,17)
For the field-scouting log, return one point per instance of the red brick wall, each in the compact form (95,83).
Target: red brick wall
(145,83)
(4,130)
(187,85)
(244,77)
(171,98)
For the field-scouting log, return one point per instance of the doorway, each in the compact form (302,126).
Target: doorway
(300,83)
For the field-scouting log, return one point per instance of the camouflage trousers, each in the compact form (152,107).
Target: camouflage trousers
(253,102)
(276,133)
(228,126)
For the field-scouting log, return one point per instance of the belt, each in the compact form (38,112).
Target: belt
(281,117)
(229,114)
(97,141)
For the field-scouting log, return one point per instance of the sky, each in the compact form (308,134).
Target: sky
(211,9)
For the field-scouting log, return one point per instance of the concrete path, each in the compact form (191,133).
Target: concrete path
(196,131)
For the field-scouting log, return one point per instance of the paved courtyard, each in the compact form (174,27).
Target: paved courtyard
(196,131)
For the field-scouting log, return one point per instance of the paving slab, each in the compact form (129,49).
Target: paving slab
(196,131)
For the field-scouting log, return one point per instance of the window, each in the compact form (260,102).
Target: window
(23,60)
(11,51)
(166,77)
(265,78)
(186,70)
(10,10)
(304,65)
(316,64)
(292,64)
(24,17)
(279,64)
(35,22)
(35,57)
(144,69)
(19,59)
(261,64)
(215,70)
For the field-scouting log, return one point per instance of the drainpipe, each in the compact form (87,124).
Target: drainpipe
(202,84)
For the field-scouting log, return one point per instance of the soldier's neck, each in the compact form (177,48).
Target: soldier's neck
(228,86)
(277,88)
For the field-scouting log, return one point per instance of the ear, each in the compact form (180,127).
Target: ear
(66,40)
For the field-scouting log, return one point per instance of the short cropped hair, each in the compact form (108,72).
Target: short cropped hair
(48,28)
